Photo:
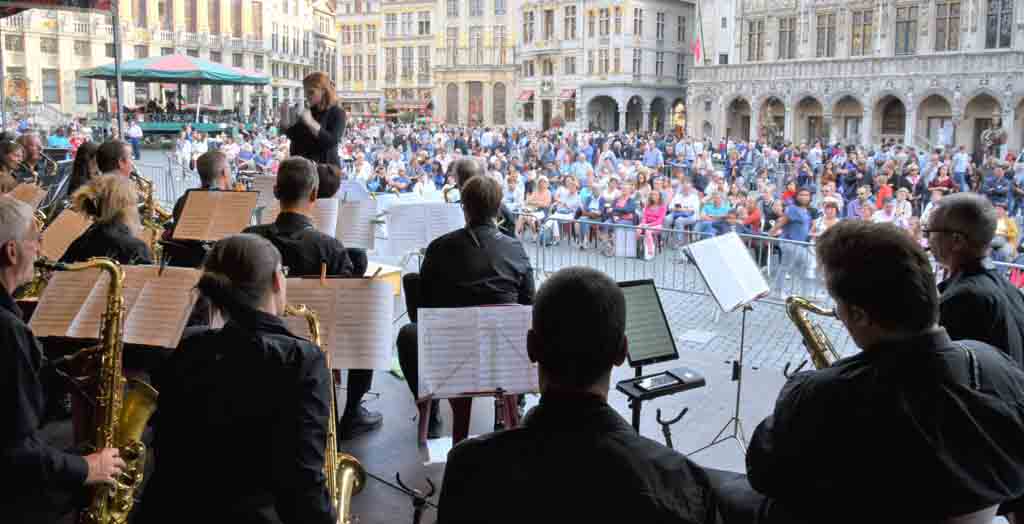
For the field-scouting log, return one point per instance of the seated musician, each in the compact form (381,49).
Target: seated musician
(574,459)
(304,249)
(111,202)
(243,409)
(473,266)
(114,157)
(914,428)
(11,154)
(33,166)
(214,175)
(40,481)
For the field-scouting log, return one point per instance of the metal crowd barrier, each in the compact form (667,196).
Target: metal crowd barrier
(170,180)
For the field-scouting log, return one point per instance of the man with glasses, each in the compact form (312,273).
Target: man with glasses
(41,481)
(978,301)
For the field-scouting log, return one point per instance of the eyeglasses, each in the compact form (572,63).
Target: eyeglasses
(927,231)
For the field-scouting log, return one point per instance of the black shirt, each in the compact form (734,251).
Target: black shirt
(303,248)
(459,272)
(979,303)
(114,240)
(899,432)
(35,475)
(573,459)
(259,452)
(321,148)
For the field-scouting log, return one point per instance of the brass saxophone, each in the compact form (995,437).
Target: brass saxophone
(345,475)
(120,415)
(820,348)
(152,215)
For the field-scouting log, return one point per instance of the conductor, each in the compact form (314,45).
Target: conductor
(316,132)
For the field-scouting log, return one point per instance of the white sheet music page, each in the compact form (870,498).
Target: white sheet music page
(194,223)
(353,191)
(442,218)
(231,214)
(449,351)
(355,227)
(407,231)
(361,328)
(325,216)
(319,298)
(159,314)
(89,319)
(264,184)
(60,302)
(728,270)
(504,362)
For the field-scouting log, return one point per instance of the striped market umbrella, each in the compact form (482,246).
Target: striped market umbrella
(179,69)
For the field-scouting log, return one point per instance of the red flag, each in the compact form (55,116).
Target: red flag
(696,49)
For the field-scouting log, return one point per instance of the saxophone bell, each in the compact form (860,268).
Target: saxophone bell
(823,354)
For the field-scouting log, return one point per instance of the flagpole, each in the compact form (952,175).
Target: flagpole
(118,85)
(700,25)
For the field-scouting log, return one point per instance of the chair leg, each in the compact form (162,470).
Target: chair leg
(424,421)
(461,411)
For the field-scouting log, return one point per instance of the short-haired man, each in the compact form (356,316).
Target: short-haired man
(33,166)
(474,266)
(114,157)
(303,249)
(914,428)
(214,175)
(978,301)
(41,482)
(574,459)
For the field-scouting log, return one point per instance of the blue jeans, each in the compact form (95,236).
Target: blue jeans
(961,179)
(794,261)
(136,152)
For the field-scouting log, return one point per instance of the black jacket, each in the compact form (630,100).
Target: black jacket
(259,452)
(114,240)
(303,248)
(980,303)
(574,459)
(39,481)
(901,430)
(321,148)
(460,271)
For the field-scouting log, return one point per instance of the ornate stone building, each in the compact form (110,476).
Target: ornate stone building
(603,64)
(921,72)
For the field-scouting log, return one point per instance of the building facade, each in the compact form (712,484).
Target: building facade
(608,65)
(360,85)
(922,72)
(407,47)
(44,50)
(475,70)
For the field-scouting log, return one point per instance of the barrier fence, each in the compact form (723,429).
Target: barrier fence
(170,179)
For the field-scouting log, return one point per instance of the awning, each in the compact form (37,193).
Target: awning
(568,93)
(526,95)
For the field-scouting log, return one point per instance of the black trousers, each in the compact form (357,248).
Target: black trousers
(407,356)
(359,382)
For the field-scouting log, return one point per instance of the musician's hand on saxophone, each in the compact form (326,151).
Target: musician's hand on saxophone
(104,467)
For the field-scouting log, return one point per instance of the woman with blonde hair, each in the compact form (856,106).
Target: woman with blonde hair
(317,131)
(112,203)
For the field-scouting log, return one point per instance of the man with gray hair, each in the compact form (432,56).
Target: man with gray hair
(42,481)
(33,166)
(978,301)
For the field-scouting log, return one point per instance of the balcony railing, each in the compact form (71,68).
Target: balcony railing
(15,22)
(165,36)
(475,57)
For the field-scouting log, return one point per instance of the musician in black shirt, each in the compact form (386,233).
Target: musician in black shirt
(40,482)
(214,175)
(111,201)
(317,131)
(303,250)
(915,428)
(257,452)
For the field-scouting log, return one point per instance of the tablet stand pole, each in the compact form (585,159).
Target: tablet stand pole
(737,375)
(635,403)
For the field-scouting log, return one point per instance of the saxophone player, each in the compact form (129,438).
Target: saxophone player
(914,428)
(34,165)
(256,454)
(41,481)
(114,157)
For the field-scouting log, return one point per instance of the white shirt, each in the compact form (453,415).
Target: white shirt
(689,202)
(134,131)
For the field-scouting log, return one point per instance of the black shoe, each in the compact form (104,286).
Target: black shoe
(435,425)
(363,421)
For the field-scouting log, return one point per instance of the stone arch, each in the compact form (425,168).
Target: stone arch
(983,91)
(980,108)
(889,117)
(879,96)
(451,103)
(936,117)
(635,106)
(809,120)
(658,110)
(738,117)
(834,100)
(761,100)
(499,94)
(771,117)
(603,113)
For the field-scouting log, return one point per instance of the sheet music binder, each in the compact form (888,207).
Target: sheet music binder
(729,271)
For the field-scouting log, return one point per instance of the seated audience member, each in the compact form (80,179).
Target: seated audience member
(730,223)
(303,249)
(714,210)
(952,412)
(573,449)
(112,203)
(1004,243)
(474,266)
(683,210)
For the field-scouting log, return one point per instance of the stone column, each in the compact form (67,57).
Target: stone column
(487,104)
(910,126)
(789,122)
(622,121)
(464,103)
(755,125)
(1012,133)
(866,127)
(833,133)
(645,121)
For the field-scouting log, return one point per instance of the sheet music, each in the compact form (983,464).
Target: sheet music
(474,350)
(264,184)
(65,229)
(30,194)
(317,297)
(166,300)
(325,215)
(355,224)
(213,215)
(61,300)
(415,226)
(728,270)
(353,191)
(443,218)
(89,319)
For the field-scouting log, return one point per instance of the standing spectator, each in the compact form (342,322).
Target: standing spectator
(134,135)
(793,228)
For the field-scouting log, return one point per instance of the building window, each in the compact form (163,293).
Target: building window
(166,14)
(257,62)
(862,42)
(236,59)
(83,48)
(139,13)
(346,35)
(17,43)
(659,26)
(215,56)
(680,67)
(371,68)
(407,63)
(109,50)
(528,68)
(371,34)
(48,46)
(391,24)
(591,23)
(569,110)
(407,24)
(499,104)
(452,44)
(618,20)
(947,25)
(499,44)
(787,38)
(476,7)
(390,65)
(637,63)
(605,26)
(826,35)
(590,62)
(528,27)
(528,112)
(476,45)
(638,22)
(548,68)
(164,51)
(424,23)
(499,7)
(549,24)
(357,34)
(617,59)
(51,86)
(999,24)
(603,64)
(357,67)
(659,64)
(569,65)
(236,18)
(83,91)
(216,94)
(570,22)
(725,23)
(346,69)
(273,37)
(424,55)
(906,30)
(191,16)
(453,8)
(723,59)
(213,15)
(755,40)
(257,20)
(142,94)
(681,29)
